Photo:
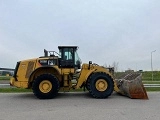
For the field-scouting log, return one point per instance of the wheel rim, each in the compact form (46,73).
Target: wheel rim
(45,86)
(101,85)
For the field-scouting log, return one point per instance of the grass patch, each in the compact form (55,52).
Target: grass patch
(21,90)
(152,89)
(151,82)
(146,75)
(5,77)
(14,90)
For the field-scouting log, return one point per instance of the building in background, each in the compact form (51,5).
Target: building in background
(6,72)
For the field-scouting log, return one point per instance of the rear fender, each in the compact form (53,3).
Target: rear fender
(42,70)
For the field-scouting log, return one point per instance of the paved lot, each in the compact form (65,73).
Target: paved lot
(78,106)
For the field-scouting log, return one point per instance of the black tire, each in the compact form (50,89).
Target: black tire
(96,77)
(53,84)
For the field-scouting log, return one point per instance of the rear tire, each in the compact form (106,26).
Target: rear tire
(100,85)
(45,86)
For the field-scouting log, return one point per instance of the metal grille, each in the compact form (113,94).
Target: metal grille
(29,69)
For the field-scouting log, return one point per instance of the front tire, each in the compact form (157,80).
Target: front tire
(45,86)
(100,85)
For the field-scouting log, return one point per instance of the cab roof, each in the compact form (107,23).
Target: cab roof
(60,47)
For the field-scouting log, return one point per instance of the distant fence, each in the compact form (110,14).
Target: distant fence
(152,85)
(8,69)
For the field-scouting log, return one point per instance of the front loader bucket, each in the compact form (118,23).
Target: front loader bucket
(131,85)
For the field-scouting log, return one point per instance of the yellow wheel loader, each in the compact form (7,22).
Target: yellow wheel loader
(49,74)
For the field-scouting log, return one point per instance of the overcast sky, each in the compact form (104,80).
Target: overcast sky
(106,31)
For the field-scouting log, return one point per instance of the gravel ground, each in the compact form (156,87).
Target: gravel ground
(78,106)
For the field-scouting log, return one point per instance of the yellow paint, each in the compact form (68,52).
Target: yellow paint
(18,84)
(116,88)
(85,73)
(45,86)
(101,85)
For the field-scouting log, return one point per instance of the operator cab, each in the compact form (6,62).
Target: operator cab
(68,57)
